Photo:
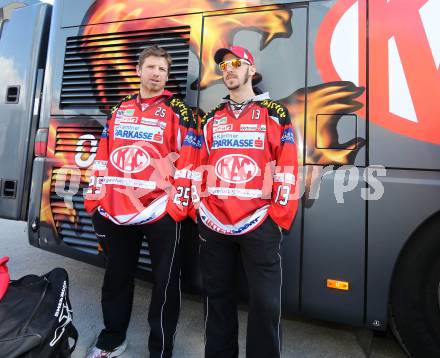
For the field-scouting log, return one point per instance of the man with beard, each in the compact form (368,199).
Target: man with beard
(131,195)
(245,202)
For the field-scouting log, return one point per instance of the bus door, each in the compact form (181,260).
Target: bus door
(276,36)
(23,42)
(333,256)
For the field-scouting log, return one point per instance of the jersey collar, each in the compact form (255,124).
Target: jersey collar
(165,95)
(258,97)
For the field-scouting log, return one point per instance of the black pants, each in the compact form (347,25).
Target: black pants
(260,254)
(122,245)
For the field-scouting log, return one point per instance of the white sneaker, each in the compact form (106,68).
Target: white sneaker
(95,352)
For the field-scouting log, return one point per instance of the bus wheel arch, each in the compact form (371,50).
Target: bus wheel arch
(415,292)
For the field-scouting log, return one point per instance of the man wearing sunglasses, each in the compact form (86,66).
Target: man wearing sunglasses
(246,201)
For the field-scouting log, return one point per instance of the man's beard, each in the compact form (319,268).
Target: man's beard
(153,87)
(234,87)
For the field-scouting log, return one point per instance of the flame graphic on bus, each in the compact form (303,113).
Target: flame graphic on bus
(112,16)
(336,99)
(70,150)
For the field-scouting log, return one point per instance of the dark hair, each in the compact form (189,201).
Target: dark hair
(155,51)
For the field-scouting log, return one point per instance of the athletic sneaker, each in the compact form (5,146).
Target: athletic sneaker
(95,352)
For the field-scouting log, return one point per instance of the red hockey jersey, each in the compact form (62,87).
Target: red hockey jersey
(141,146)
(249,166)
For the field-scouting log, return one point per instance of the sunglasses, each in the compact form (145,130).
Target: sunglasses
(235,63)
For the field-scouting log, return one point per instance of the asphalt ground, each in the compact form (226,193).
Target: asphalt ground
(301,338)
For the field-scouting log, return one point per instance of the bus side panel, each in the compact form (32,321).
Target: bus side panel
(403,136)
(409,198)
(396,151)
(334,248)
(21,71)
(335,136)
(64,226)
(73,12)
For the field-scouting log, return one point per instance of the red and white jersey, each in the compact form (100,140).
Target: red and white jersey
(249,165)
(132,176)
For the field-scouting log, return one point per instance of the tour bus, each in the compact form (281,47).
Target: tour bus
(361,80)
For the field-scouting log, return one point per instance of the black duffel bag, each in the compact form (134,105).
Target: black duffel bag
(36,317)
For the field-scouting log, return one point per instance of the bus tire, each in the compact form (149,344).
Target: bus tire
(415,294)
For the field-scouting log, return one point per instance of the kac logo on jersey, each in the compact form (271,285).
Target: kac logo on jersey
(236,168)
(130,159)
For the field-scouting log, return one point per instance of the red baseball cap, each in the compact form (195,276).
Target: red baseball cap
(4,276)
(237,51)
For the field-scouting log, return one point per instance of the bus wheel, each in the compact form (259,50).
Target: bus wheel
(415,294)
